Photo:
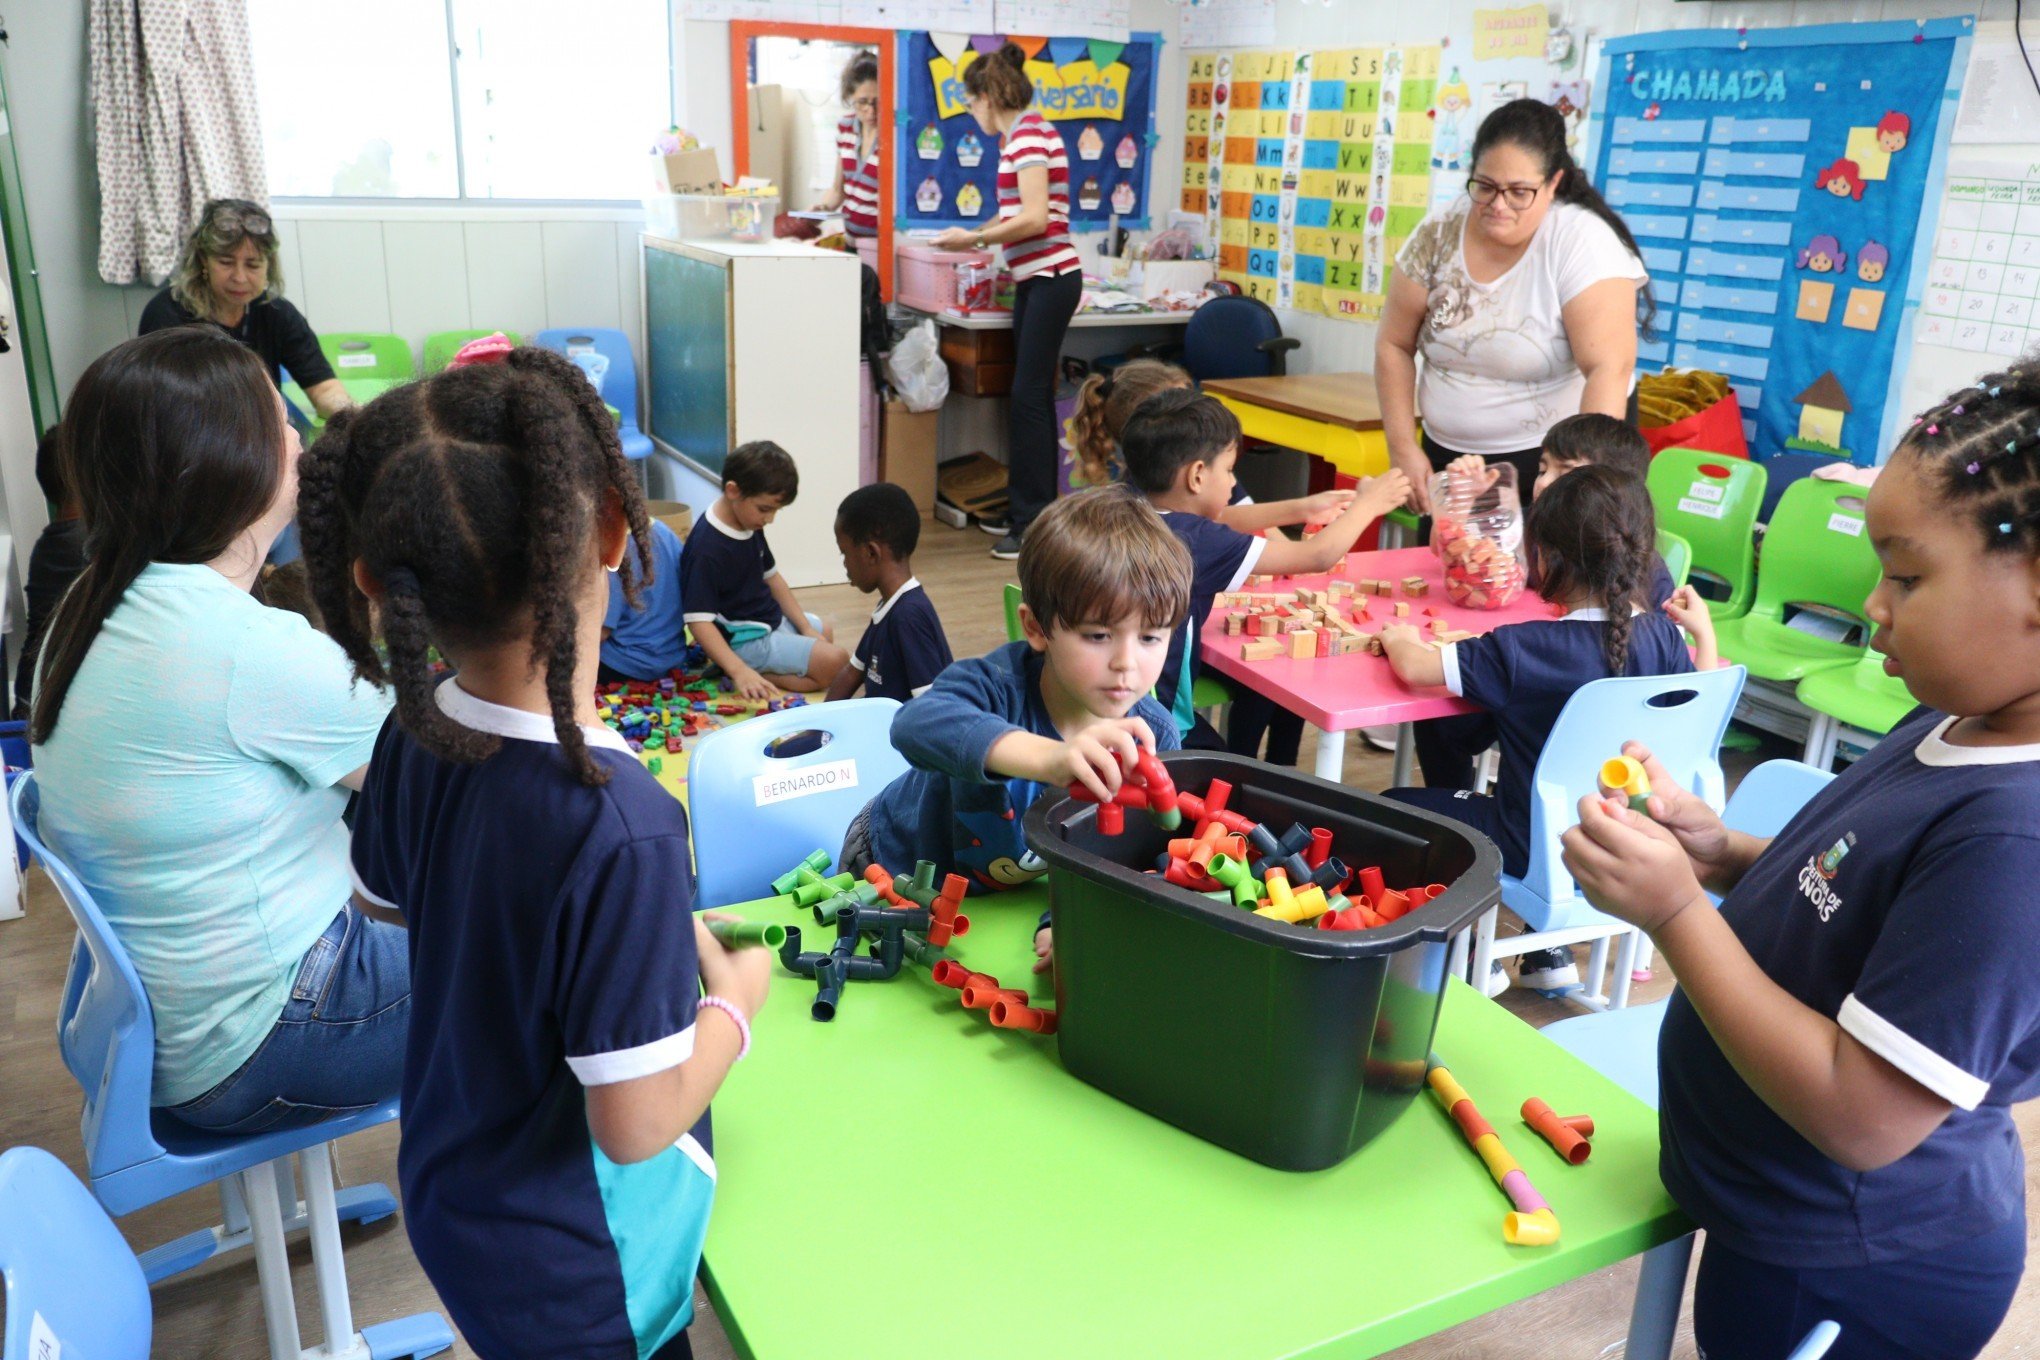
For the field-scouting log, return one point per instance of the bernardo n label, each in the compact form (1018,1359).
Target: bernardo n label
(780,787)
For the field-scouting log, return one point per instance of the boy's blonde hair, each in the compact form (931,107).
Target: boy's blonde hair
(1098,556)
(1106,402)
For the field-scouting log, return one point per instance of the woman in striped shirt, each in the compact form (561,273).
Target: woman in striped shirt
(1034,227)
(856,188)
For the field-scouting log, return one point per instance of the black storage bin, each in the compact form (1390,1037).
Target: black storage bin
(1287,1044)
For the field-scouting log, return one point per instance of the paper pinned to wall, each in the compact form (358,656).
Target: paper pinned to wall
(1999,104)
(1110,19)
(1228,23)
(1510,34)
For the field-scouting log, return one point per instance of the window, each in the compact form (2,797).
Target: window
(478,99)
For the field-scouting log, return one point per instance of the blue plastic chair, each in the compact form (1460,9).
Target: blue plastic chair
(619,383)
(1622,1045)
(1681,718)
(72,1285)
(137,1156)
(1235,337)
(747,830)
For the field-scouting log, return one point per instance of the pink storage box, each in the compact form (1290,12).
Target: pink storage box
(924,278)
(867,249)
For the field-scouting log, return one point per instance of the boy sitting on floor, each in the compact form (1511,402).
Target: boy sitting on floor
(904,648)
(742,611)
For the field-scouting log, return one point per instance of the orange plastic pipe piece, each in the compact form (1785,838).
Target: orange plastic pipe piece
(1582,1124)
(949,973)
(980,998)
(1470,1121)
(1013,1015)
(1564,1140)
(1371,884)
(1391,904)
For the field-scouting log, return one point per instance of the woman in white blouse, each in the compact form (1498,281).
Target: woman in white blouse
(1522,296)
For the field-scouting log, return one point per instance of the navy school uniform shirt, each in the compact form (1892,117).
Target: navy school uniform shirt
(1900,904)
(904,648)
(1221,559)
(948,808)
(722,580)
(552,949)
(649,641)
(1523,673)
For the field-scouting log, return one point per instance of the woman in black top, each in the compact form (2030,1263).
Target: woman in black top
(229,276)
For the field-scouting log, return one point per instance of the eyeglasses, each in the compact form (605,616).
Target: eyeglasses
(1486,191)
(869,101)
(239,217)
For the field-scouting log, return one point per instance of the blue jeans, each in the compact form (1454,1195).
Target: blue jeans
(337,1048)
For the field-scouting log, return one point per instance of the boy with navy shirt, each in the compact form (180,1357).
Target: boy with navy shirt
(741,610)
(647,641)
(1180,448)
(904,648)
(1103,584)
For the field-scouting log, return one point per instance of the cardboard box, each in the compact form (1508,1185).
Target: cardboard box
(907,455)
(686,172)
(673,514)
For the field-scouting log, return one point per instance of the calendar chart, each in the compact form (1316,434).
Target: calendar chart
(1984,279)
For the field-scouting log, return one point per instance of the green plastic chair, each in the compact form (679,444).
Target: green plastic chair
(1712,503)
(1678,556)
(1861,698)
(1013,630)
(367,354)
(1816,552)
(441,346)
(1399,529)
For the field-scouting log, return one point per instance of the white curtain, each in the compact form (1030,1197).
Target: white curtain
(173,94)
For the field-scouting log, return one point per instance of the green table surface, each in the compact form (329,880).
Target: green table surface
(908,1181)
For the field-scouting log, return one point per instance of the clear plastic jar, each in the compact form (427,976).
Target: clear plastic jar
(1477,530)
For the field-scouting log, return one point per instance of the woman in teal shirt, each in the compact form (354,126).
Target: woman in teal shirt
(195,749)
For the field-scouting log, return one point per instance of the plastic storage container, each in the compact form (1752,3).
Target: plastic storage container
(1286,1044)
(925,278)
(1477,532)
(711,217)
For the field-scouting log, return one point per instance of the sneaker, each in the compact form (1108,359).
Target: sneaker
(1007,549)
(997,525)
(1547,970)
(1381,738)
(1497,981)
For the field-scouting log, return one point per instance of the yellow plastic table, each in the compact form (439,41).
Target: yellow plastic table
(907,1181)
(1336,416)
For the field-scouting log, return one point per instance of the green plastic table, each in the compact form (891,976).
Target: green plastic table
(907,1181)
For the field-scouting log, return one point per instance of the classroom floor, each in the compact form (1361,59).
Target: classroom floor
(215,1312)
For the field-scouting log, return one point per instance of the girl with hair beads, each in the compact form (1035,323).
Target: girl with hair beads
(556,1161)
(1853,1024)
(1593,544)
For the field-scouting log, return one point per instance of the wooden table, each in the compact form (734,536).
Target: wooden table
(1336,416)
(1339,693)
(907,1182)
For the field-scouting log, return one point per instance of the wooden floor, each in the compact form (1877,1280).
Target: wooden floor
(214,1313)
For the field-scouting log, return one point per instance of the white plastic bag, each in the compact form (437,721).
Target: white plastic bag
(916,370)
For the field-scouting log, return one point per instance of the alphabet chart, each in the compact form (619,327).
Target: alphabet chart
(1985,274)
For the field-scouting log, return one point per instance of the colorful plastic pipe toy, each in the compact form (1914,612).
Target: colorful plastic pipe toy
(1532,1224)
(1564,1135)
(748,934)
(1623,777)
(907,918)
(1005,1007)
(944,918)
(1146,786)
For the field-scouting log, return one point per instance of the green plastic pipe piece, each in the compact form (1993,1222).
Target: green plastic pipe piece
(817,862)
(748,934)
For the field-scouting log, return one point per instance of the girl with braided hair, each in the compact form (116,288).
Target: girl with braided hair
(1853,1024)
(1593,547)
(556,1087)
(213,841)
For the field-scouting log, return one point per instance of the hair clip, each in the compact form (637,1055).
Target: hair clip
(1995,390)
(1933,429)
(1958,410)
(2004,528)
(1974,468)
(2010,445)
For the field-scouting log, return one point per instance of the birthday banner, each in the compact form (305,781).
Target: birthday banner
(1779,183)
(1311,169)
(1099,93)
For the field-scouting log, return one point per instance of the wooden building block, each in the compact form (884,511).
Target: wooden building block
(1402,611)
(1324,642)
(1260,649)
(1416,585)
(1302,645)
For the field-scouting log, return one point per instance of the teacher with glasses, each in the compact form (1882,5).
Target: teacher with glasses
(1524,297)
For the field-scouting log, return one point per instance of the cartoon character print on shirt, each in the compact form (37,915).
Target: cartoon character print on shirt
(1816,878)
(997,857)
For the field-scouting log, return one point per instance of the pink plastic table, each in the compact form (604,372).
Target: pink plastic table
(1339,693)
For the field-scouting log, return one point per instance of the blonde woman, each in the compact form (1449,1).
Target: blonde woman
(228,276)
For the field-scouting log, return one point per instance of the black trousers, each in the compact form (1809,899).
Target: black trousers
(1042,308)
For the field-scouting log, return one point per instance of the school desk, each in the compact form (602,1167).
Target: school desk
(1336,416)
(906,1181)
(1339,693)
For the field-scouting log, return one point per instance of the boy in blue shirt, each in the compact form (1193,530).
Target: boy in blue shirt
(742,611)
(904,648)
(1103,585)
(648,640)
(1180,447)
